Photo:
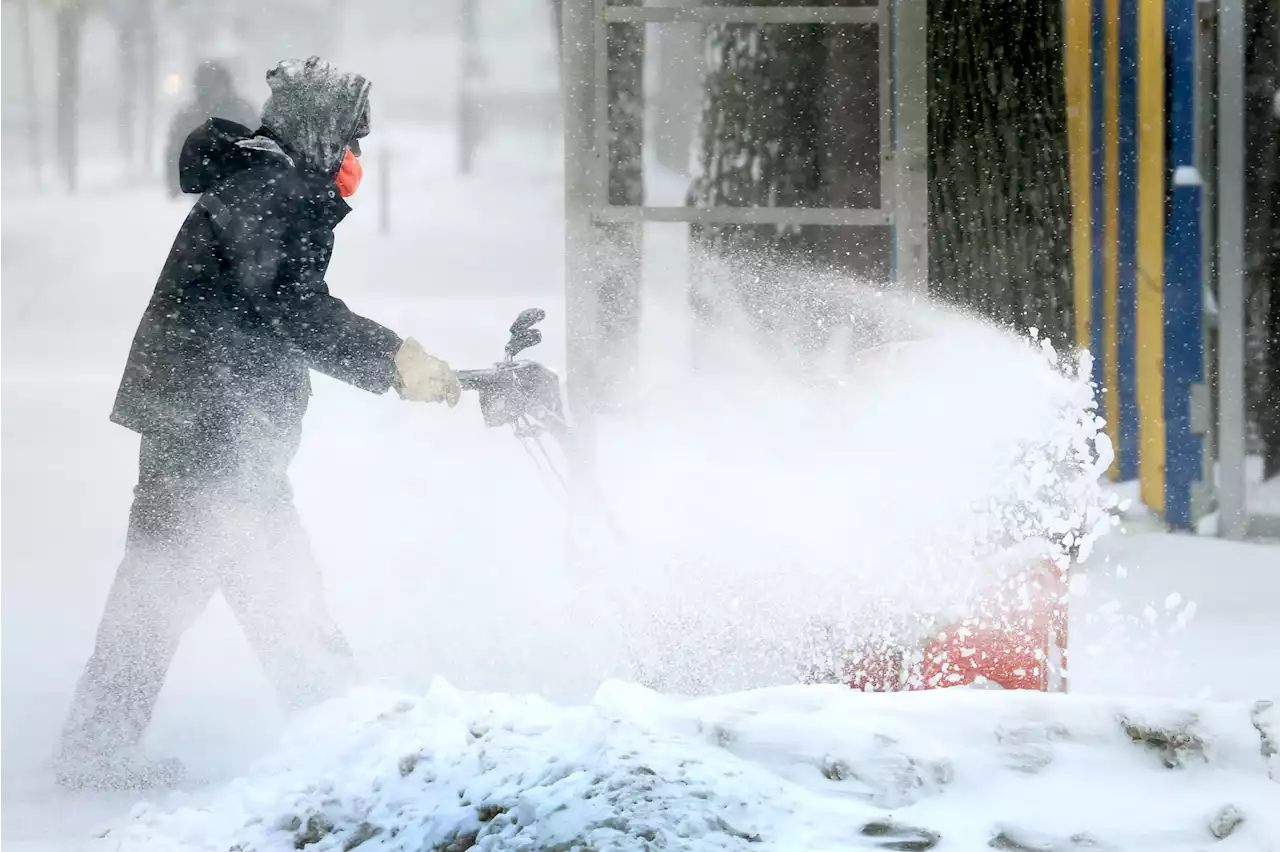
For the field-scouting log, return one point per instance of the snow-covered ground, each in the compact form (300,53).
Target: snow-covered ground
(812,768)
(444,555)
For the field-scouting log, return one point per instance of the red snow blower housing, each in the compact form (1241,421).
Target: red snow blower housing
(1015,638)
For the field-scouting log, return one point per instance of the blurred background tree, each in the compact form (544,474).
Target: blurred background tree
(69,18)
(135,25)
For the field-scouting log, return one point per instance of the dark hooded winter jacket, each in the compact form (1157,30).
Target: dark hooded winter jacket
(241,311)
(215,97)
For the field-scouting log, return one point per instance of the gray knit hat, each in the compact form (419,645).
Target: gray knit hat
(316,112)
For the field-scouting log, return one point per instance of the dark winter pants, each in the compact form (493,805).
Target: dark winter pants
(207,516)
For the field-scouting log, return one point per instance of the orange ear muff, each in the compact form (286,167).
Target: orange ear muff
(349,175)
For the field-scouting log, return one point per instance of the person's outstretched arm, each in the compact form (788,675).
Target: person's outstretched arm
(280,273)
(280,270)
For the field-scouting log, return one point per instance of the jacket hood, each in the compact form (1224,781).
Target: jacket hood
(315,111)
(213,152)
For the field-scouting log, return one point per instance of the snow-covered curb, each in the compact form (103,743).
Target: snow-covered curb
(793,768)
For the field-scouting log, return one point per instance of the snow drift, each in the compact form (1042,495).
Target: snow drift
(790,768)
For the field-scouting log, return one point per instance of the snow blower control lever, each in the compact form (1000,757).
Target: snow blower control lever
(522,394)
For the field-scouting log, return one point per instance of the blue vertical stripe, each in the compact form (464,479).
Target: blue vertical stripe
(1184,299)
(1097,141)
(1128,203)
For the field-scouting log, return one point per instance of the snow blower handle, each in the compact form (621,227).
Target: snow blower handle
(522,394)
(514,391)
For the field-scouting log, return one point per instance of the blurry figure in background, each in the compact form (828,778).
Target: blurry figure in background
(215,96)
(217,382)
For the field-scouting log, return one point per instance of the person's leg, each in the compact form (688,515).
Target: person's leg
(275,588)
(278,598)
(160,588)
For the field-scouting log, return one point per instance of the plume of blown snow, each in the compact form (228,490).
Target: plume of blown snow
(863,483)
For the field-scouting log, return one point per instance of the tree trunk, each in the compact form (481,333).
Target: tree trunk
(1262,240)
(35,129)
(69,25)
(758,145)
(127,109)
(139,77)
(999,204)
(149,62)
(790,118)
(1269,415)
(758,141)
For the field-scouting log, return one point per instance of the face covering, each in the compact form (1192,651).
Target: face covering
(349,175)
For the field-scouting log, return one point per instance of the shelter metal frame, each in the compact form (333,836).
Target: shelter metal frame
(903,203)
(1234,519)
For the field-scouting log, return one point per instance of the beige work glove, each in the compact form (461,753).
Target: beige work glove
(424,378)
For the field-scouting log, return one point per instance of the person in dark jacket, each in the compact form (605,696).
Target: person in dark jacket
(217,382)
(214,96)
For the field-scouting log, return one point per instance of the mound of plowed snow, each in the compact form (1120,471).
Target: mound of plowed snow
(796,768)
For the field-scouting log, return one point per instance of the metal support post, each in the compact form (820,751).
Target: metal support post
(1233,511)
(578,70)
(909,105)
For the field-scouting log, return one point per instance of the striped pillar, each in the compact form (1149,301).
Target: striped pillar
(1131,85)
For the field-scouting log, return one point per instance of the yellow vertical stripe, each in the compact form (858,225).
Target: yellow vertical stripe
(1079,120)
(1150,254)
(1111,233)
